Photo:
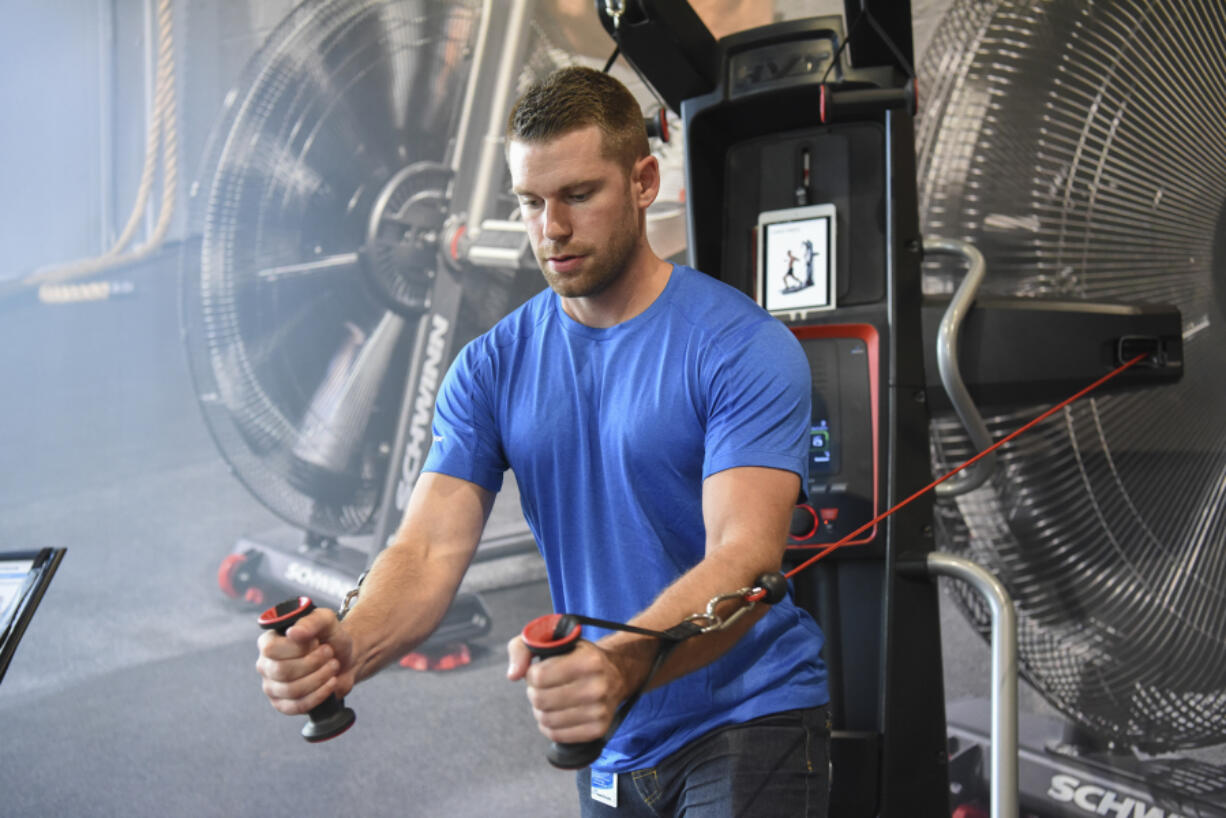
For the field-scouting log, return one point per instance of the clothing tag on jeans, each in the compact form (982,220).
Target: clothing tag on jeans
(604,787)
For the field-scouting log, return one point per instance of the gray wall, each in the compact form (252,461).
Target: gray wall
(49,133)
(73,89)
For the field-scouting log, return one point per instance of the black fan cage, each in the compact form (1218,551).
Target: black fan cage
(341,96)
(1082,147)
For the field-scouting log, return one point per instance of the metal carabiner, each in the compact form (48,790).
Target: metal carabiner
(615,9)
(713,621)
(351,596)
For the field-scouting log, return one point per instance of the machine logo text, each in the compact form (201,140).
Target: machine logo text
(423,409)
(1095,800)
(309,577)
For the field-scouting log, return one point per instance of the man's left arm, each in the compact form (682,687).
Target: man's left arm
(746,511)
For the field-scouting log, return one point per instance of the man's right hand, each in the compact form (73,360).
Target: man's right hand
(314,659)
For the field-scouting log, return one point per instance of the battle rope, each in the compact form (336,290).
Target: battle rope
(161,143)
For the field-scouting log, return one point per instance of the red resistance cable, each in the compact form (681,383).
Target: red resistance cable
(831,548)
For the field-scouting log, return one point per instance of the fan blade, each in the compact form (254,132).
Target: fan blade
(338,263)
(334,424)
(357,101)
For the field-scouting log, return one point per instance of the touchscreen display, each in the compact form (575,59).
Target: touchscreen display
(13,575)
(796,260)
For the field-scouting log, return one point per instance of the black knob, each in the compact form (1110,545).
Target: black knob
(326,720)
(775,585)
(657,126)
(554,635)
(804,522)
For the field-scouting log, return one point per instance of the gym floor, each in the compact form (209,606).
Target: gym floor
(133,691)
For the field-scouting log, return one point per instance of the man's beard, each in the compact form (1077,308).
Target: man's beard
(602,267)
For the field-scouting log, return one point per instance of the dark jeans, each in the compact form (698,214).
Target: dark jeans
(770,767)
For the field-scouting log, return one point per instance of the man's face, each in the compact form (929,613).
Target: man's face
(577,204)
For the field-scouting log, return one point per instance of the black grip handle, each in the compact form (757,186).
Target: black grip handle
(657,126)
(330,718)
(857,103)
(554,635)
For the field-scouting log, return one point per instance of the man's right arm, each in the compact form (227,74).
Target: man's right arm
(403,599)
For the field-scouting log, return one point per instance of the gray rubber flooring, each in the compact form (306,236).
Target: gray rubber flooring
(133,691)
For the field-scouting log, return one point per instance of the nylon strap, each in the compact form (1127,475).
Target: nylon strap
(668,639)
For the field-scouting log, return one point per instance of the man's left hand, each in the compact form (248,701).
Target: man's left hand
(574,696)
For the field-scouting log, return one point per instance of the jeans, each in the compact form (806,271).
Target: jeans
(774,766)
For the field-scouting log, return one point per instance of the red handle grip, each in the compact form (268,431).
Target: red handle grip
(554,635)
(330,718)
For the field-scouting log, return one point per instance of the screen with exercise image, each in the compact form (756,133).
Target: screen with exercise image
(24,577)
(796,259)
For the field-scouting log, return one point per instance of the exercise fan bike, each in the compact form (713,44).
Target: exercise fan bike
(355,232)
(1108,523)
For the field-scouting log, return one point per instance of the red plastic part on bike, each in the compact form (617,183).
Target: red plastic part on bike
(969,811)
(227,572)
(453,656)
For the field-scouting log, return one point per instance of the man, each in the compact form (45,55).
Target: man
(657,423)
(791,273)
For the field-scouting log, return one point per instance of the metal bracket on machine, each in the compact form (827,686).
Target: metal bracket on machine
(1012,362)
(500,245)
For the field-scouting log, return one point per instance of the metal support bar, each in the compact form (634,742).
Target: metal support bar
(491,164)
(1004,769)
(947,362)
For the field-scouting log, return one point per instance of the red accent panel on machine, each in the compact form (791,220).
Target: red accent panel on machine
(843,454)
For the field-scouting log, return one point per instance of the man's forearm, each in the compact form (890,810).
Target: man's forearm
(715,575)
(746,513)
(398,607)
(411,584)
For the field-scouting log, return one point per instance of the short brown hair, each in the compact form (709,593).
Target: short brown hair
(575,97)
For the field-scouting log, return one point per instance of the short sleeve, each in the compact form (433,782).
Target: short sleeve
(466,443)
(759,410)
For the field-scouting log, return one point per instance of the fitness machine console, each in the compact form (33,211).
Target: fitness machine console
(841,495)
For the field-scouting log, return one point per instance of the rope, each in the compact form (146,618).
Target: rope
(162,138)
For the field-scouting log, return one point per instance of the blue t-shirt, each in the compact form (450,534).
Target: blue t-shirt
(610,433)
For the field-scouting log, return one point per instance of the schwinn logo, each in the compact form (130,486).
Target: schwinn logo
(1096,800)
(423,410)
(306,576)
